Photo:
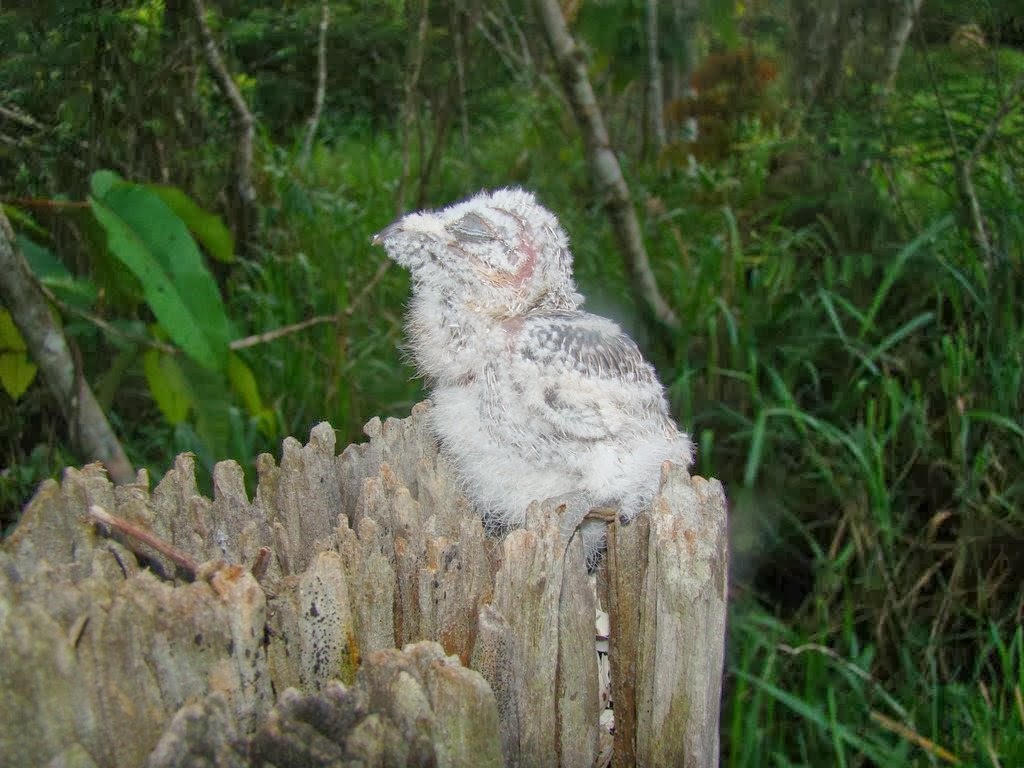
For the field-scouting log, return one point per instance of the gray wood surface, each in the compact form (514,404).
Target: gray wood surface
(111,654)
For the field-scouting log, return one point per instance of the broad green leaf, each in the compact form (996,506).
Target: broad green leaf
(55,276)
(208,228)
(146,236)
(16,370)
(212,415)
(101,182)
(168,385)
(244,385)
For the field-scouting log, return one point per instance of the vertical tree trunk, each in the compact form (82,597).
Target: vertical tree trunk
(813,30)
(245,123)
(604,165)
(655,91)
(88,427)
(683,50)
(412,79)
(842,29)
(431,161)
(457,14)
(900,33)
(321,84)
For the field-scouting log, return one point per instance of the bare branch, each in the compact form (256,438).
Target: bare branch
(1011,101)
(277,333)
(140,535)
(966,171)
(103,325)
(45,203)
(321,84)
(243,343)
(16,115)
(898,42)
(370,284)
(87,424)
(244,119)
(517,60)
(604,165)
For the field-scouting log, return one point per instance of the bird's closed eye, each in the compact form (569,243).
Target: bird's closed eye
(472,228)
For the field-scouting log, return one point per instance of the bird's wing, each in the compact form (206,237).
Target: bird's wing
(583,378)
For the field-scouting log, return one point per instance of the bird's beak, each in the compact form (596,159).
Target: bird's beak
(387,232)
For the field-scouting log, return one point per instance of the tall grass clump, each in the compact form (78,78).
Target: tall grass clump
(860,385)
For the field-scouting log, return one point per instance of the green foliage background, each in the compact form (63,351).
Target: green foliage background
(851,364)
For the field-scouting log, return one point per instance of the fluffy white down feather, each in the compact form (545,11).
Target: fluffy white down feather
(534,398)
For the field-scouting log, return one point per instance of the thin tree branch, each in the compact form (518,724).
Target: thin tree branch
(285,330)
(321,85)
(370,284)
(246,125)
(1011,100)
(898,42)
(604,165)
(455,16)
(16,115)
(655,91)
(46,203)
(979,227)
(519,62)
(106,327)
(415,65)
(277,333)
(242,343)
(138,535)
(89,429)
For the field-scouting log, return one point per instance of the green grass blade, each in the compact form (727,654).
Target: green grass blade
(895,269)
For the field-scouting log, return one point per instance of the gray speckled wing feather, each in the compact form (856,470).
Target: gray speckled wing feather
(591,376)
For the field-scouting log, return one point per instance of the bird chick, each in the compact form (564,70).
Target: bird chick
(534,398)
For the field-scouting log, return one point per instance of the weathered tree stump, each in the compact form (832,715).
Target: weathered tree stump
(112,655)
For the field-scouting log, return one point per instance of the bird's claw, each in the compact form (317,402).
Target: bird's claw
(602,514)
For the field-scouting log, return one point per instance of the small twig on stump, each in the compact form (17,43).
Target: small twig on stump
(150,539)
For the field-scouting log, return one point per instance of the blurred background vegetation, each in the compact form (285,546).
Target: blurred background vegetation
(831,197)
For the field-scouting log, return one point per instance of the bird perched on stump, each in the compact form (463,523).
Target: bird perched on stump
(534,398)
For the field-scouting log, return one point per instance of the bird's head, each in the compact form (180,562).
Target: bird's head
(499,252)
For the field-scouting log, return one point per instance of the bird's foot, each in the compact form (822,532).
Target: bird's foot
(602,514)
